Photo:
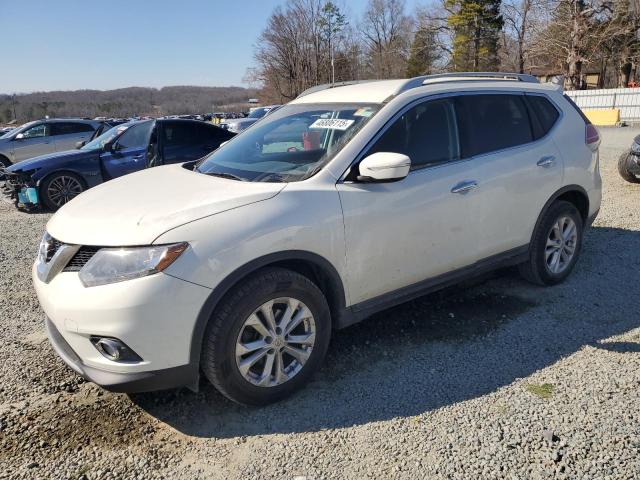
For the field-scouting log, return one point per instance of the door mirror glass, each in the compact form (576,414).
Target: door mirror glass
(384,167)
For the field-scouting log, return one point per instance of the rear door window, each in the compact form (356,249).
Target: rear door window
(491,122)
(66,128)
(193,133)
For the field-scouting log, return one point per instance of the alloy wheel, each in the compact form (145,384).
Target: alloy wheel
(62,189)
(561,244)
(275,342)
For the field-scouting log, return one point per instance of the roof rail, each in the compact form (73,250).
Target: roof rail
(326,86)
(462,76)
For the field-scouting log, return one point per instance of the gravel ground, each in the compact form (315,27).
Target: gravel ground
(494,379)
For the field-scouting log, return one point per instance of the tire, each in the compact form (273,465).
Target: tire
(624,164)
(539,269)
(75,186)
(231,327)
(4,162)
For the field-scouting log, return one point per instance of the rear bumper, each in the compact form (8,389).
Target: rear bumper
(182,376)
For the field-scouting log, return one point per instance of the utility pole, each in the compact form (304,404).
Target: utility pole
(13,104)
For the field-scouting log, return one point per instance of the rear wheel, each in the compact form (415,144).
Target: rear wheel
(556,245)
(624,168)
(59,189)
(267,337)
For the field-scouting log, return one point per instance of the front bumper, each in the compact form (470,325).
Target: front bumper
(155,316)
(19,189)
(186,375)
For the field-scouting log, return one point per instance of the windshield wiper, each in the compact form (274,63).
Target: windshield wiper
(230,176)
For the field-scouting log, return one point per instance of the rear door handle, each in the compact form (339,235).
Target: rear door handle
(464,187)
(546,161)
(138,157)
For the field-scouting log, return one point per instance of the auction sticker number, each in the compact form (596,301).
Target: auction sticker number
(332,123)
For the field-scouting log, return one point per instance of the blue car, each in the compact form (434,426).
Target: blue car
(52,180)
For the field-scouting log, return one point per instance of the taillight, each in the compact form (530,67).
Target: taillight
(591,136)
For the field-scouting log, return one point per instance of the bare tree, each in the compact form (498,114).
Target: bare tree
(521,18)
(387,33)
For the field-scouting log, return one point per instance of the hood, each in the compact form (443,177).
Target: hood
(136,209)
(51,159)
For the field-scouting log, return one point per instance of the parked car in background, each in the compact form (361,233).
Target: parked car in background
(44,136)
(5,130)
(343,203)
(239,124)
(52,180)
(102,128)
(629,162)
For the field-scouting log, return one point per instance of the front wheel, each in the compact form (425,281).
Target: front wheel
(60,188)
(555,246)
(267,337)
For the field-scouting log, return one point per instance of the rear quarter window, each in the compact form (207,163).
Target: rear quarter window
(544,115)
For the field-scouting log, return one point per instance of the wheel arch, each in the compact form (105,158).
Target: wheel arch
(573,194)
(4,160)
(313,266)
(40,182)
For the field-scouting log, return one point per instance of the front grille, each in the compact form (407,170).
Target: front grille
(52,248)
(80,259)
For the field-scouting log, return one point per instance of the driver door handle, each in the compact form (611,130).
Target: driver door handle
(546,161)
(464,187)
(138,157)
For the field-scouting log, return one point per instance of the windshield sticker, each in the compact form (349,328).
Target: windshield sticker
(363,112)
(332,123)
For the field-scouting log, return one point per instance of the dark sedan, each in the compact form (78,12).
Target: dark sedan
(629,162)
(52,180)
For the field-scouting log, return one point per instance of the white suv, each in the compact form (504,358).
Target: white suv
(346,201)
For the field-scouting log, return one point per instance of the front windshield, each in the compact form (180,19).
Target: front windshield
(99,142)
(289,145)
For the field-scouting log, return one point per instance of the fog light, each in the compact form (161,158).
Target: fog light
(114,349)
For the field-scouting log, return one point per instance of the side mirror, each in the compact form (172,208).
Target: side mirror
(384,167)
(19,136)
(81,144)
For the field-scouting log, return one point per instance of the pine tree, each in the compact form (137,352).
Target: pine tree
(424,52)
(476,26)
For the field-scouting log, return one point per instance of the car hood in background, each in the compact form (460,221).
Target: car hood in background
(138,208)
(51,159)
(241,123)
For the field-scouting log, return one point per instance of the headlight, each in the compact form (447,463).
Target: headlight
(110,265)
(635,148)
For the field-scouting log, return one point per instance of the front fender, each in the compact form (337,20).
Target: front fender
(87,168)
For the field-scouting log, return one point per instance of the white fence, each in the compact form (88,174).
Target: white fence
(626,99)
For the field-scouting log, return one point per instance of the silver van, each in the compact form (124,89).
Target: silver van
(44,136)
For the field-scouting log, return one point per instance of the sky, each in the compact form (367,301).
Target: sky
(86,44)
